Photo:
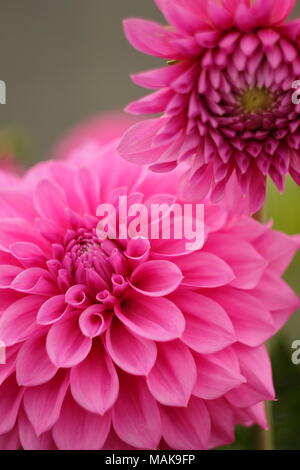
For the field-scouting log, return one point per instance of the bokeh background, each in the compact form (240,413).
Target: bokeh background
(66,60)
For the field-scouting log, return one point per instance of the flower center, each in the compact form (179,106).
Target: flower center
(256,100)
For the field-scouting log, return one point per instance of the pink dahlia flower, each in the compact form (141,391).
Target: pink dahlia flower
(226,101)
(131,344)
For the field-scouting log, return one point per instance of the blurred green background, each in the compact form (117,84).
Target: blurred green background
(65,60)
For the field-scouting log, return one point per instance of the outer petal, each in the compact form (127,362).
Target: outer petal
(256,368)
(204,270)
(223,423)
(18,320)
(172,379)
(246,263)
(252,322)
(43,403)
(278,249)
(136,144)
(150,37)
(181,426)
(208,327)
(136,417)
(33,366)
(217,374)
(10,399)
(10,440)
(78,429)
(29,440)
(278,297)
(94,382)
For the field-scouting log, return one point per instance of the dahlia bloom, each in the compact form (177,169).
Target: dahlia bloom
(131,344)
(226,100)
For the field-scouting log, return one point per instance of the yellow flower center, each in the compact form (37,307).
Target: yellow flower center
(256,100)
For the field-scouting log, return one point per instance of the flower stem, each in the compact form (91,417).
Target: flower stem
(264,440)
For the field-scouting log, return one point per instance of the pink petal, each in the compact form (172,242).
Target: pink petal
(149,37)
(134,354)
(10,365)
(255,325)
(33,366)
(113,442)
(29,439)
(13,230)
(43,403)
(157,319)
(208,327)
(246,263)
(10,440)
(10,399)
(93,321)
(94,382)
(66,345)
(156,278)
(29,254)
(216,374)
(204,269)
(278,297)
(256,368)
(136,416)
(78,429)
(8,274)
(18,321)
(136,143)
(278,249)
(186,428)
(172,379)
(52,310)
(50,201)
(222,421)
(34,281)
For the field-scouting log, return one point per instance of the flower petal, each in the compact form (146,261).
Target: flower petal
(33,366)
(136,417)
(149,37)
(52,310)
(204,269)
(66,345)
(208,327)
(43,403)
(77,429)
(10,399)
(132,353)
(94,382)
(172,379)
(156,278)
(186,428)
(217,374)
(247,264)
(255,325)
(157,319)
(18,321)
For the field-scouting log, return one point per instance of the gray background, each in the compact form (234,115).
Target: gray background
(63,60)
